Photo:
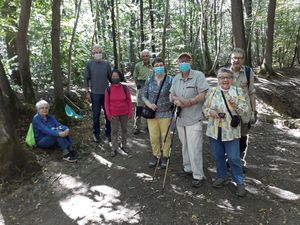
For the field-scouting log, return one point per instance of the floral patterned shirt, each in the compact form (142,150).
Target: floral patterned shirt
(215,101)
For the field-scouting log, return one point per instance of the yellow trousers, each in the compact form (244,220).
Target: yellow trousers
(157,131)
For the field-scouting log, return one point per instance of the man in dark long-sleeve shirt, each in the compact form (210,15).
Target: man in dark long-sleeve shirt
(96,77)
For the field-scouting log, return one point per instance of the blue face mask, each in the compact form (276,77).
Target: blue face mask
(184,67)
(160,70)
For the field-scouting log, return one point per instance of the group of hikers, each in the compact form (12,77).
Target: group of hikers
(183,100)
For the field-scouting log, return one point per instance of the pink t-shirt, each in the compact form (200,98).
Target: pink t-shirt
(117,102)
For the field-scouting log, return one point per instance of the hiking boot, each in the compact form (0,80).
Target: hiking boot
(196,183)
(164,162)
(113,153)
(96,138)
(153,161)
(69,158)
(240,190)
(219,182)
(184,173)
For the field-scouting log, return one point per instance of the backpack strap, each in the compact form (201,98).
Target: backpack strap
(247,72)
(124,88)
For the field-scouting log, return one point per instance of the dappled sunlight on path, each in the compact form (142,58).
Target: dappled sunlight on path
(2,222)
(97,204)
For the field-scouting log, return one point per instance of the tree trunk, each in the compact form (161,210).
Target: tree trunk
(71,45)
(23,53)
(13,104)
(248,28)
(114,33)
(131,40)
(56,67)
(164,36)
(217,41)
(296,56)
(119,50)
(152,26)
(9,11)
(14,161)
(142,25)
(238,29)
(269,34)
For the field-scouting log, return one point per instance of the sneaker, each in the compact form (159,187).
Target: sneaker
(125,150)
(113,153)
(153,161)
(184,173)
(121,152)
(197,183)
(96,138)
(240,190)
(69,157)
(219,182)
(74,153)
(164,162)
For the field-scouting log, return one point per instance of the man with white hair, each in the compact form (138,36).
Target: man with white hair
(141,71)
(96,76)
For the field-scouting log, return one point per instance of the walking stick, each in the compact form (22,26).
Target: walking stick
(158,160)
(177,112)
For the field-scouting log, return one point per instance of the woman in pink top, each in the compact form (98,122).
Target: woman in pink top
(118,108)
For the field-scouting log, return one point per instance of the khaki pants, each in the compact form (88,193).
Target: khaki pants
(115,124)
(191,138)
(157,131)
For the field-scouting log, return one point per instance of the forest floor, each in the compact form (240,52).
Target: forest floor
(104,190)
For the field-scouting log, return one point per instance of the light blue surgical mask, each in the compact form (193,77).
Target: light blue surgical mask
(160,70)
(184,67)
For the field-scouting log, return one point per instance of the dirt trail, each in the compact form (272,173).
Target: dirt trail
(104,190)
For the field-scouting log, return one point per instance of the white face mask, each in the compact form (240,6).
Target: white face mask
(98,56)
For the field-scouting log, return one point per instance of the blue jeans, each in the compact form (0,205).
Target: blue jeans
(49,142)
(232,149)
(97,104)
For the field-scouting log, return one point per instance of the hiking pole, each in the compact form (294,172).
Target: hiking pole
(158,160)
(177,112)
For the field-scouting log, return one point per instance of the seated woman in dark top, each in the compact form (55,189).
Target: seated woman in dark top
(48,132)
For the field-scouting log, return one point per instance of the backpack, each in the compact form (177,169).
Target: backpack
(124,88)
(247,73)
(30,137)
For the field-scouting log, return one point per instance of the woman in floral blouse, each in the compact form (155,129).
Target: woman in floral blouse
(223,138)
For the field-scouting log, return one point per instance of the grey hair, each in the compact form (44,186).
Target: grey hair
(238,50)
(96,46)
(41,103)
(223,70)
(145,51)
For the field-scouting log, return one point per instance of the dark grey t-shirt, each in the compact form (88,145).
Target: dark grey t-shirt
(96,76)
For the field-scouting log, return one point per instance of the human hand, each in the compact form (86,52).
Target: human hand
(232,103)
(153,107)
(214,114)
(87,96)
(62,134)
(178,103)
(253,118)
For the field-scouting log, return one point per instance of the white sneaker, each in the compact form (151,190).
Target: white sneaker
(121,152)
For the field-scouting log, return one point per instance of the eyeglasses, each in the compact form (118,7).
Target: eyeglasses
(237,58)
(96,53)
(44,107)
(225,78)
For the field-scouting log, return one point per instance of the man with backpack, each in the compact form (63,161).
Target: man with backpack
(244,78)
